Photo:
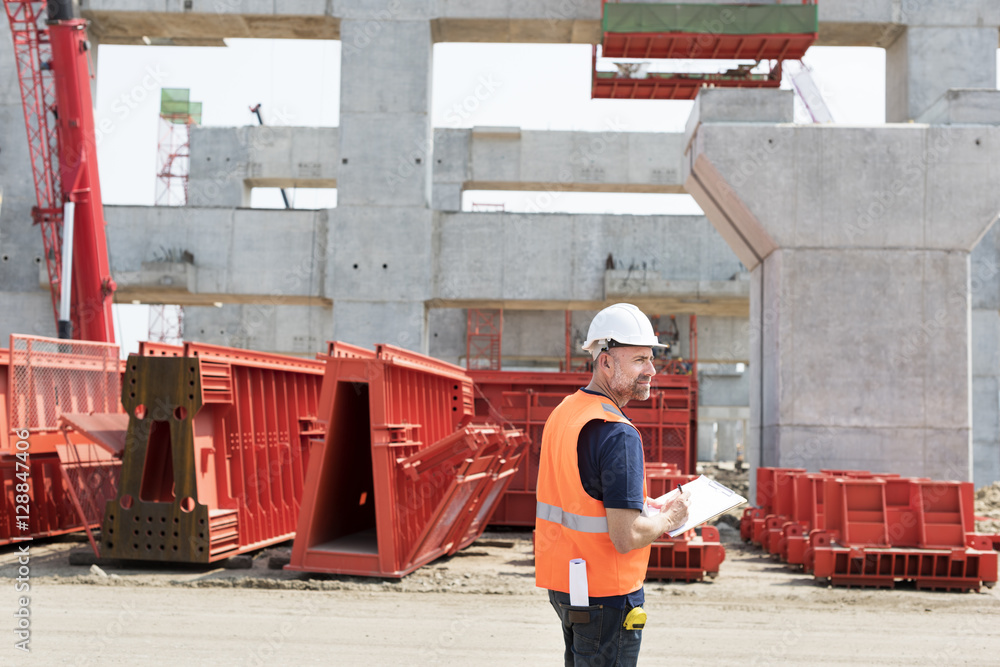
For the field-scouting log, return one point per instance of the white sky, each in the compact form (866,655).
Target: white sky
(297,82)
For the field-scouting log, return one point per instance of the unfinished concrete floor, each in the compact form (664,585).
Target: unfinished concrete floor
(479,607)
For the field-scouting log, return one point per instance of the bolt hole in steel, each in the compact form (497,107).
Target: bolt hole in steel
(180,413)
(126,503)
(111,545)
(140,411)
(187,505)
(136,532)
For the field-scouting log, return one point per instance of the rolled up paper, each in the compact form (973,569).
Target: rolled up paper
(579,595)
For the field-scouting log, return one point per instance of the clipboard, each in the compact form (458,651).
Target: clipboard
(709,499)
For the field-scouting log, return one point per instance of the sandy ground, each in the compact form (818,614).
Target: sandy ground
(478,607)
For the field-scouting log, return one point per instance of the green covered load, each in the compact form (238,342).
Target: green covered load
(710,19)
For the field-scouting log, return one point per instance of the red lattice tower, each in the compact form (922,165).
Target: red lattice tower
(173,164)
(33,55)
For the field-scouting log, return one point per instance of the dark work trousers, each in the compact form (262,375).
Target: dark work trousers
(599,637)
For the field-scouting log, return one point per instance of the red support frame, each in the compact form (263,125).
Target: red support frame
(54,76)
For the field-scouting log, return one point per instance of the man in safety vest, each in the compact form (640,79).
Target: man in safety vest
(591,494)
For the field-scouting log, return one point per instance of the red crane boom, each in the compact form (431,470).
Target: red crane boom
(54,75)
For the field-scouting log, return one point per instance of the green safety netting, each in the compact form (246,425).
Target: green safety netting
(711,19)
(177,107)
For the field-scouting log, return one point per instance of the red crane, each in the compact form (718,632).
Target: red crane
(53,66)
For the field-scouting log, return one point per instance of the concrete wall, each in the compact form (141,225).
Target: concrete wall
(984,277)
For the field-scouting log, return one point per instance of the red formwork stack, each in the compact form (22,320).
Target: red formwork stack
(54,475)
(667,422)
(687,557)
(216,452)
(406,472)
(856,528)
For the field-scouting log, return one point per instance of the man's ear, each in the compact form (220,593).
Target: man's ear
(606,360)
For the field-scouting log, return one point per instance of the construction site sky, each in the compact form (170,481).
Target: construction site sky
(835,356)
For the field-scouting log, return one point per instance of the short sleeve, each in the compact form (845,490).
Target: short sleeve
(611,467)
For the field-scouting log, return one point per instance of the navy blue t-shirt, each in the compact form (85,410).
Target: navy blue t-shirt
(609,455)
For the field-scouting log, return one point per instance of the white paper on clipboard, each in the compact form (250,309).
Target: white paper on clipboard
(709,499)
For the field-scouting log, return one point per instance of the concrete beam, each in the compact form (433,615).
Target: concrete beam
(227,162)
(560,260)
(203,256)
(841,22)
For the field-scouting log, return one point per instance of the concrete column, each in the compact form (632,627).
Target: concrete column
(985,281)
(706,441)
(381,246)
(924,62)
(858,241)
(729,436)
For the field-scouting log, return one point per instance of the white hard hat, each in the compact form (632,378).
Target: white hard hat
(622,323)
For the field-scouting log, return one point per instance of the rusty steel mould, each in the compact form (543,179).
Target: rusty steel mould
(404,474)
(215,453)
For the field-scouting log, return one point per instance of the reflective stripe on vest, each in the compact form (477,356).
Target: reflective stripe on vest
(577,522)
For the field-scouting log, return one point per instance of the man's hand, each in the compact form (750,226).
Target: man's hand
(629,530)
(676,508)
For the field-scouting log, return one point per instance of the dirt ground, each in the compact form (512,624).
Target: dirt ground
(479,607)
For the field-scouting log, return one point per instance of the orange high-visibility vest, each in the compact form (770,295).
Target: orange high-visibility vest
(569,522)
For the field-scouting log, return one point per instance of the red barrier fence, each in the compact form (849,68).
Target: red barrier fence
(404,475)
(49,471)
(857,528)
(667,422)
(216,452)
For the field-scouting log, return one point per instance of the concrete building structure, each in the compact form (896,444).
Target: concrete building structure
(818,215)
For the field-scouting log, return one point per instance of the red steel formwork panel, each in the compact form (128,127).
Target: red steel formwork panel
(772,484)
(59,470)
(666,422)
(217,452)
(688,558)
(403,475)
(888,528)
(956,569)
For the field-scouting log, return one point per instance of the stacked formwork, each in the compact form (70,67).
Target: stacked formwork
(52,474)
(216,452)
(856,528)
(404,475)
(667,421)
